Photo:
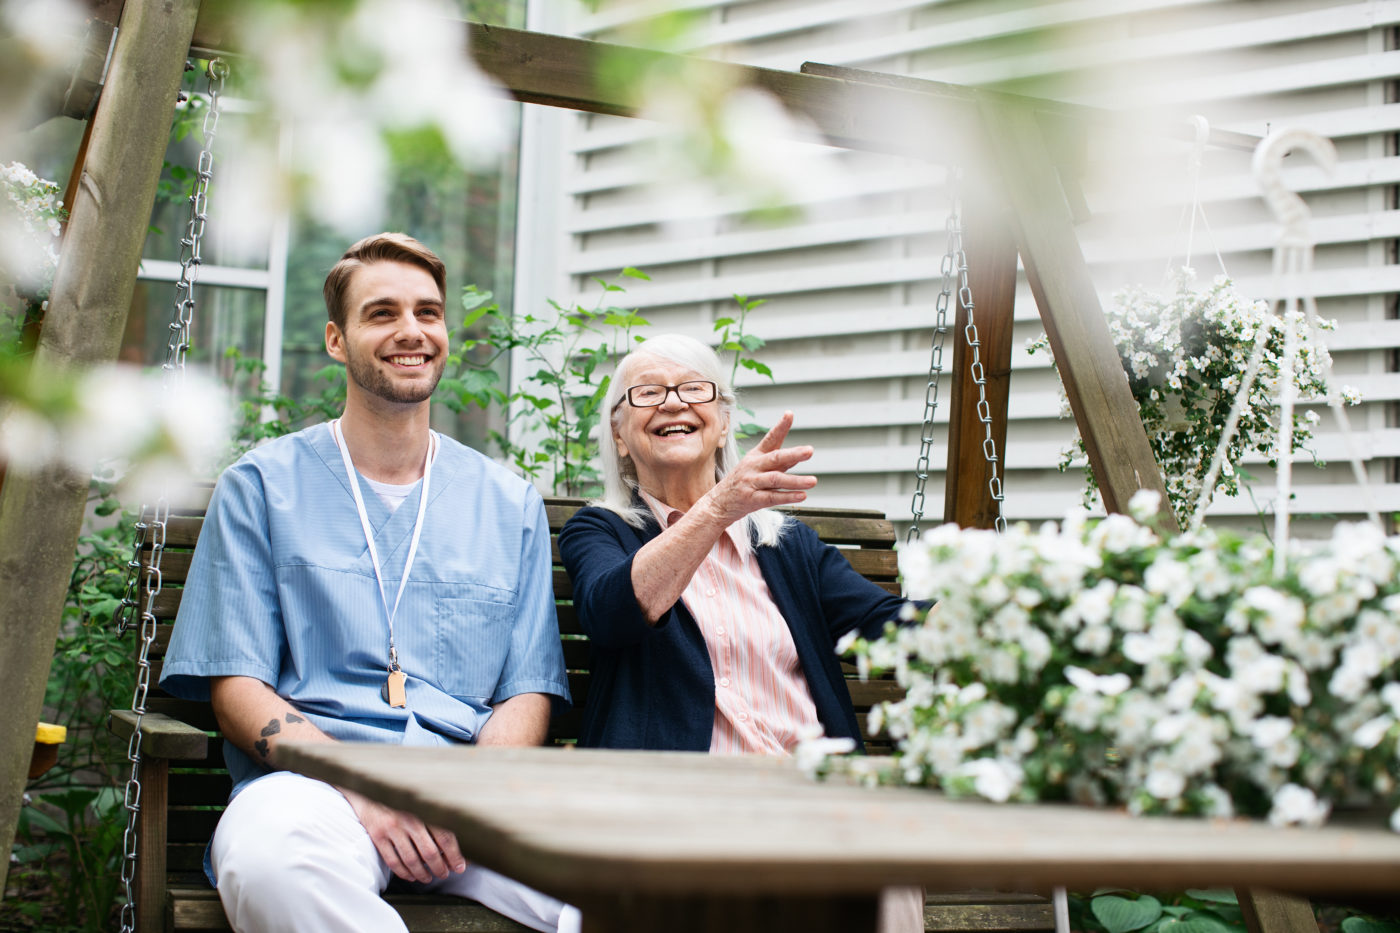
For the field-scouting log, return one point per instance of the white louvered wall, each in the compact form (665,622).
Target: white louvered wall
(851,285)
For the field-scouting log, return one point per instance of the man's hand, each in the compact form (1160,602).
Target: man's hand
(413,850)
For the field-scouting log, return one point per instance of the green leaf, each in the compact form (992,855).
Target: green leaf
(757,367)
(1121,915)
(1362,925)
(723,322)
(632,273)
(472,298)
(1213,895)
(751,342)
(1196,923)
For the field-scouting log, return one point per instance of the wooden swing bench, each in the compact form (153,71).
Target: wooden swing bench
(184,783)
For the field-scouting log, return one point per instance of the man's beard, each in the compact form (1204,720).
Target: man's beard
(370,378)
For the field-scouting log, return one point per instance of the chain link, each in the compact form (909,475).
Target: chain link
(954,268)
(143,582)
(935,370)
(979,377)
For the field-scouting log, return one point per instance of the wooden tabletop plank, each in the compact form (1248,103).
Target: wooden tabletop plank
(574,821)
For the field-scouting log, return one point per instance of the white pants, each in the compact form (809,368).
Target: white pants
(290,855)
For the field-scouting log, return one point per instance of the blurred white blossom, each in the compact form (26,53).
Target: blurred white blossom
(121,425)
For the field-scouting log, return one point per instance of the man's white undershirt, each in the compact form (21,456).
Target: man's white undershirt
(391,494)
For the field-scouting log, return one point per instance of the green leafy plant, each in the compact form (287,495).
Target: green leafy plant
(735,338)
(262,413)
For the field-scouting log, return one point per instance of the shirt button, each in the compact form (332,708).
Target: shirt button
(720,630)
(724,681)
(743,717)
(709,592)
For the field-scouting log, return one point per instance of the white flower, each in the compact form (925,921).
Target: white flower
(1108,684)
(1095,640)
(1037,648)
(1274,736)
(813,748)
(993,778)
(1297,806)
(1390,695)
(1082,710)
(1164,783)
(1169,578)
(1371,732)
(1144,504)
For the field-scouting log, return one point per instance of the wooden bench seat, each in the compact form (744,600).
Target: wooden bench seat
(185,784)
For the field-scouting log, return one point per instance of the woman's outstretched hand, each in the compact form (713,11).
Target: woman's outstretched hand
(761,479)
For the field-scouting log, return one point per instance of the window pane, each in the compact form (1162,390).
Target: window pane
(223,318)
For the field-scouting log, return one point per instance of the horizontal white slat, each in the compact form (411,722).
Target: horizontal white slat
(976,27)
(1359,69)
(1045,454)
(1104,248)
(1044,504)
(1251,32)
(1374,280)
(163,270)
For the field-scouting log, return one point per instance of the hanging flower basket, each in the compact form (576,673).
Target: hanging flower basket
(1096,661)
(1184,352)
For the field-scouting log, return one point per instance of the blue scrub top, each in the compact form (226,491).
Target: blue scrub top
(282,588)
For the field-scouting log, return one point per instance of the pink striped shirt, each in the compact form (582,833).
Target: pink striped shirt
(761,694)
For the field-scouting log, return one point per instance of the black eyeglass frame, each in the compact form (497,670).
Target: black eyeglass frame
(714,393)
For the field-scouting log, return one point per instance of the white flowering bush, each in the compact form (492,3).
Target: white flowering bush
(1098,662)
(1185,353)
(30,213)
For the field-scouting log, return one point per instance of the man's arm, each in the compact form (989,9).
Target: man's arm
(521,720)
(256,719)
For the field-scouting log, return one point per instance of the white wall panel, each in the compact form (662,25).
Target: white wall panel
(851,282)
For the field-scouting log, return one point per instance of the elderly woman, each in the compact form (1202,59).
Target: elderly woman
(713,619)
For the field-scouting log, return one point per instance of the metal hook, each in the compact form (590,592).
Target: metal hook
(1290,210)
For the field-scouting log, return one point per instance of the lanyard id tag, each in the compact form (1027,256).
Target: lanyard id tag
(393,689)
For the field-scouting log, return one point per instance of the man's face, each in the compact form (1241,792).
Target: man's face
(394,346)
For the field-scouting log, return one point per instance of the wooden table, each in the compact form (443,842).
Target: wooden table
(680,841)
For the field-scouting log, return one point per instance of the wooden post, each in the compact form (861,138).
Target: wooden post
(1271,912)
(991,276)
(41,514)
(1088,361)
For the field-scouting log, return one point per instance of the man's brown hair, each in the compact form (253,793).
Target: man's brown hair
(382,247)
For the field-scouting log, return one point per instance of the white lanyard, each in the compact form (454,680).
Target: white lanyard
(369,532)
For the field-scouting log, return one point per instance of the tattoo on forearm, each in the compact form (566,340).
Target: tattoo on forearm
(273,727)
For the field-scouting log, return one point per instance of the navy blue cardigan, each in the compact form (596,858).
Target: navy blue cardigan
(653,686)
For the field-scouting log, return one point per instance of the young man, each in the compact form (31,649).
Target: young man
(366,580)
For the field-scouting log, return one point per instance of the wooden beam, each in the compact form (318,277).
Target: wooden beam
(1089,366)
(41,513)
(991,262)
(1078,116)
(1271,912)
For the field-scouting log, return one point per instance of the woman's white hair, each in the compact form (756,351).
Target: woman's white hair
(620,474)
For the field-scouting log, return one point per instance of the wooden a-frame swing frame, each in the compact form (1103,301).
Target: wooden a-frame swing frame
(1023,203)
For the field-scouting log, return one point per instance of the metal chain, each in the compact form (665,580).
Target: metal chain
(151,526)
(979,377)
(935,368)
